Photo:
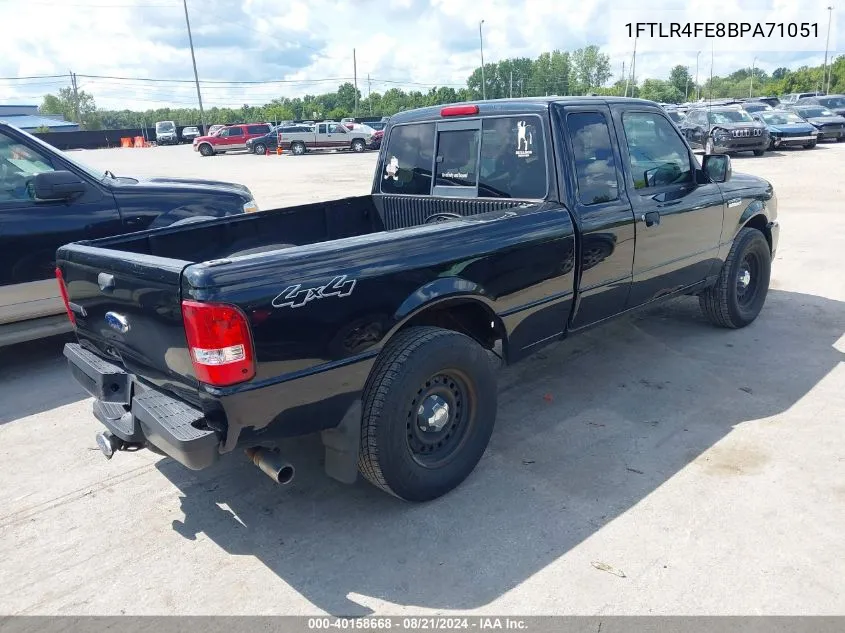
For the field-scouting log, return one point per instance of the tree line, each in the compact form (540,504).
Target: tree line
(585,70)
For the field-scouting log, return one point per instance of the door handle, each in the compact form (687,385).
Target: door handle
(651,218)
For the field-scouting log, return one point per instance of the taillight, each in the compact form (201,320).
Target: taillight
(459,110)
(63,290)
(219,341)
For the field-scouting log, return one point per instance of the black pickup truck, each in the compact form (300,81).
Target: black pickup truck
(493,228)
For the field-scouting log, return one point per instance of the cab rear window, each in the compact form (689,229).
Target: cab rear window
(498,157)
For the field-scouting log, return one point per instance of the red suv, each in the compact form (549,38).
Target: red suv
(231,137)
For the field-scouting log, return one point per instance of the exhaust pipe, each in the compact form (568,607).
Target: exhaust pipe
(271,464)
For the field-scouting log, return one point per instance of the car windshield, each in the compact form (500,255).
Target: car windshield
(165,126)
(730,116)
(815,112)
(780,118)
(834,102)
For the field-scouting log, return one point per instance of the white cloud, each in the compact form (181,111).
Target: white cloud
(401,43)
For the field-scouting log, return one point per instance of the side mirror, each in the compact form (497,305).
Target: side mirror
(58,185)
(717,167)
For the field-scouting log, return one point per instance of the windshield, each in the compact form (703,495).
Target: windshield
(730,116)
(781,118)
(165,126)
(834,102)
(805,112)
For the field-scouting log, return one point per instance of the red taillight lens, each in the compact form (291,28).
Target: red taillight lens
(459,110)
(63,290)
(220,343)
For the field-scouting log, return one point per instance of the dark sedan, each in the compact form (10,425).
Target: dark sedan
(787,129)
(724,130)
(831,126)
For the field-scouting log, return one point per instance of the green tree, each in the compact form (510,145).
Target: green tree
(681,80)
(591,68)
(68,104)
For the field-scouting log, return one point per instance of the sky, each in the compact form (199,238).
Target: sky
(306,46)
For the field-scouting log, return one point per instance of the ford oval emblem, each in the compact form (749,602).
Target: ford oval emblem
(117,322)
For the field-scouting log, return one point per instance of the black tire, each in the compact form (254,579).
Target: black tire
(206,150)
(297,148)
(358,145)
(810,145)
(259,148)
(258,249)
(759,152)
(736,299)
(419,367)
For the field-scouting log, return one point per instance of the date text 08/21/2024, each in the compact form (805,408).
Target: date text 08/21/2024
(722,29)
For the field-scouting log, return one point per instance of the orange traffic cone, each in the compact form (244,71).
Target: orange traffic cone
(266,151)
(278,150)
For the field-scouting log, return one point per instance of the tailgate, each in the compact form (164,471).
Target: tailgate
(127,306)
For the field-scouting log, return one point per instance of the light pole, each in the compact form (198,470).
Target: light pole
(826,88)
(481,46)
(751,87)
(697,89)
(194,60)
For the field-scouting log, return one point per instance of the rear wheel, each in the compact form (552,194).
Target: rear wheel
(429,411)
(297,149)
(205,150)
(358,145)
(740,291)
(259,148)
(810,145)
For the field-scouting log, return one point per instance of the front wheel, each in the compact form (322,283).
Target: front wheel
(759,152)
(740,291)
(205,150)
(297,149)
(810,145)
(428,414)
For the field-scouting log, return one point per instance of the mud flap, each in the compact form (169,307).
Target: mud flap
(341,444)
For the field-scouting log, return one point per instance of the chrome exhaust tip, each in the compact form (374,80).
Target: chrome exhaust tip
(108,444)
(272,464)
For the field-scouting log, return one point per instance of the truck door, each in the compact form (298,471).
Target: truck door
(605,216)
(322,138)
(31,230)
(679,220)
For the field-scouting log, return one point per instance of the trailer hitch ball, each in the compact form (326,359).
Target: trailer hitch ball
(108,444)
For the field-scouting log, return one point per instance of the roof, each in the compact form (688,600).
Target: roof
(29,122)
(520,105)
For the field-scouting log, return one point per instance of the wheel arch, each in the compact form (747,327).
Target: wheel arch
(453,304)
(754,217)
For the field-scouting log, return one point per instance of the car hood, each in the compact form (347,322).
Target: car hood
(744,182)
(164,184)
(791,127)
(826,119)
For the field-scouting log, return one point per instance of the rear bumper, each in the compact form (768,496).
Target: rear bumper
(139,414)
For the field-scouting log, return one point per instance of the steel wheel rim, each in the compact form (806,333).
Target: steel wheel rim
(748,280)
(434,436)
(260,149)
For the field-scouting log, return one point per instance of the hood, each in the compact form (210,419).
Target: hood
(164,184)
(826,119)
(745,182)
(791,127)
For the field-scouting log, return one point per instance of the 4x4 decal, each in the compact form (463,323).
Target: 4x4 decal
(296,296)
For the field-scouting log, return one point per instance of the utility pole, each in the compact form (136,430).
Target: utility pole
(511,83)
(634,70)
(369,91)
(481,46)
(622,75)
(826,47)
(75,98)
(355,79)
(697,89)
(751,87)
(194,61)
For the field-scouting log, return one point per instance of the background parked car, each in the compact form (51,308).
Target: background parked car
(793,97)
(214,129)
(758,106)
(166,133)
(189,133)
(325,135)
(831,126)
(725,129)
(786,128)
(230,138)
(834,103)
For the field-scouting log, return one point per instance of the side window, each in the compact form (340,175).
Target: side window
(513,158)
(321,129)
(457,158)
(19,164)
(595,166)
(338,129)
(657,155)
(408,159)
(258,129)
(236,131)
